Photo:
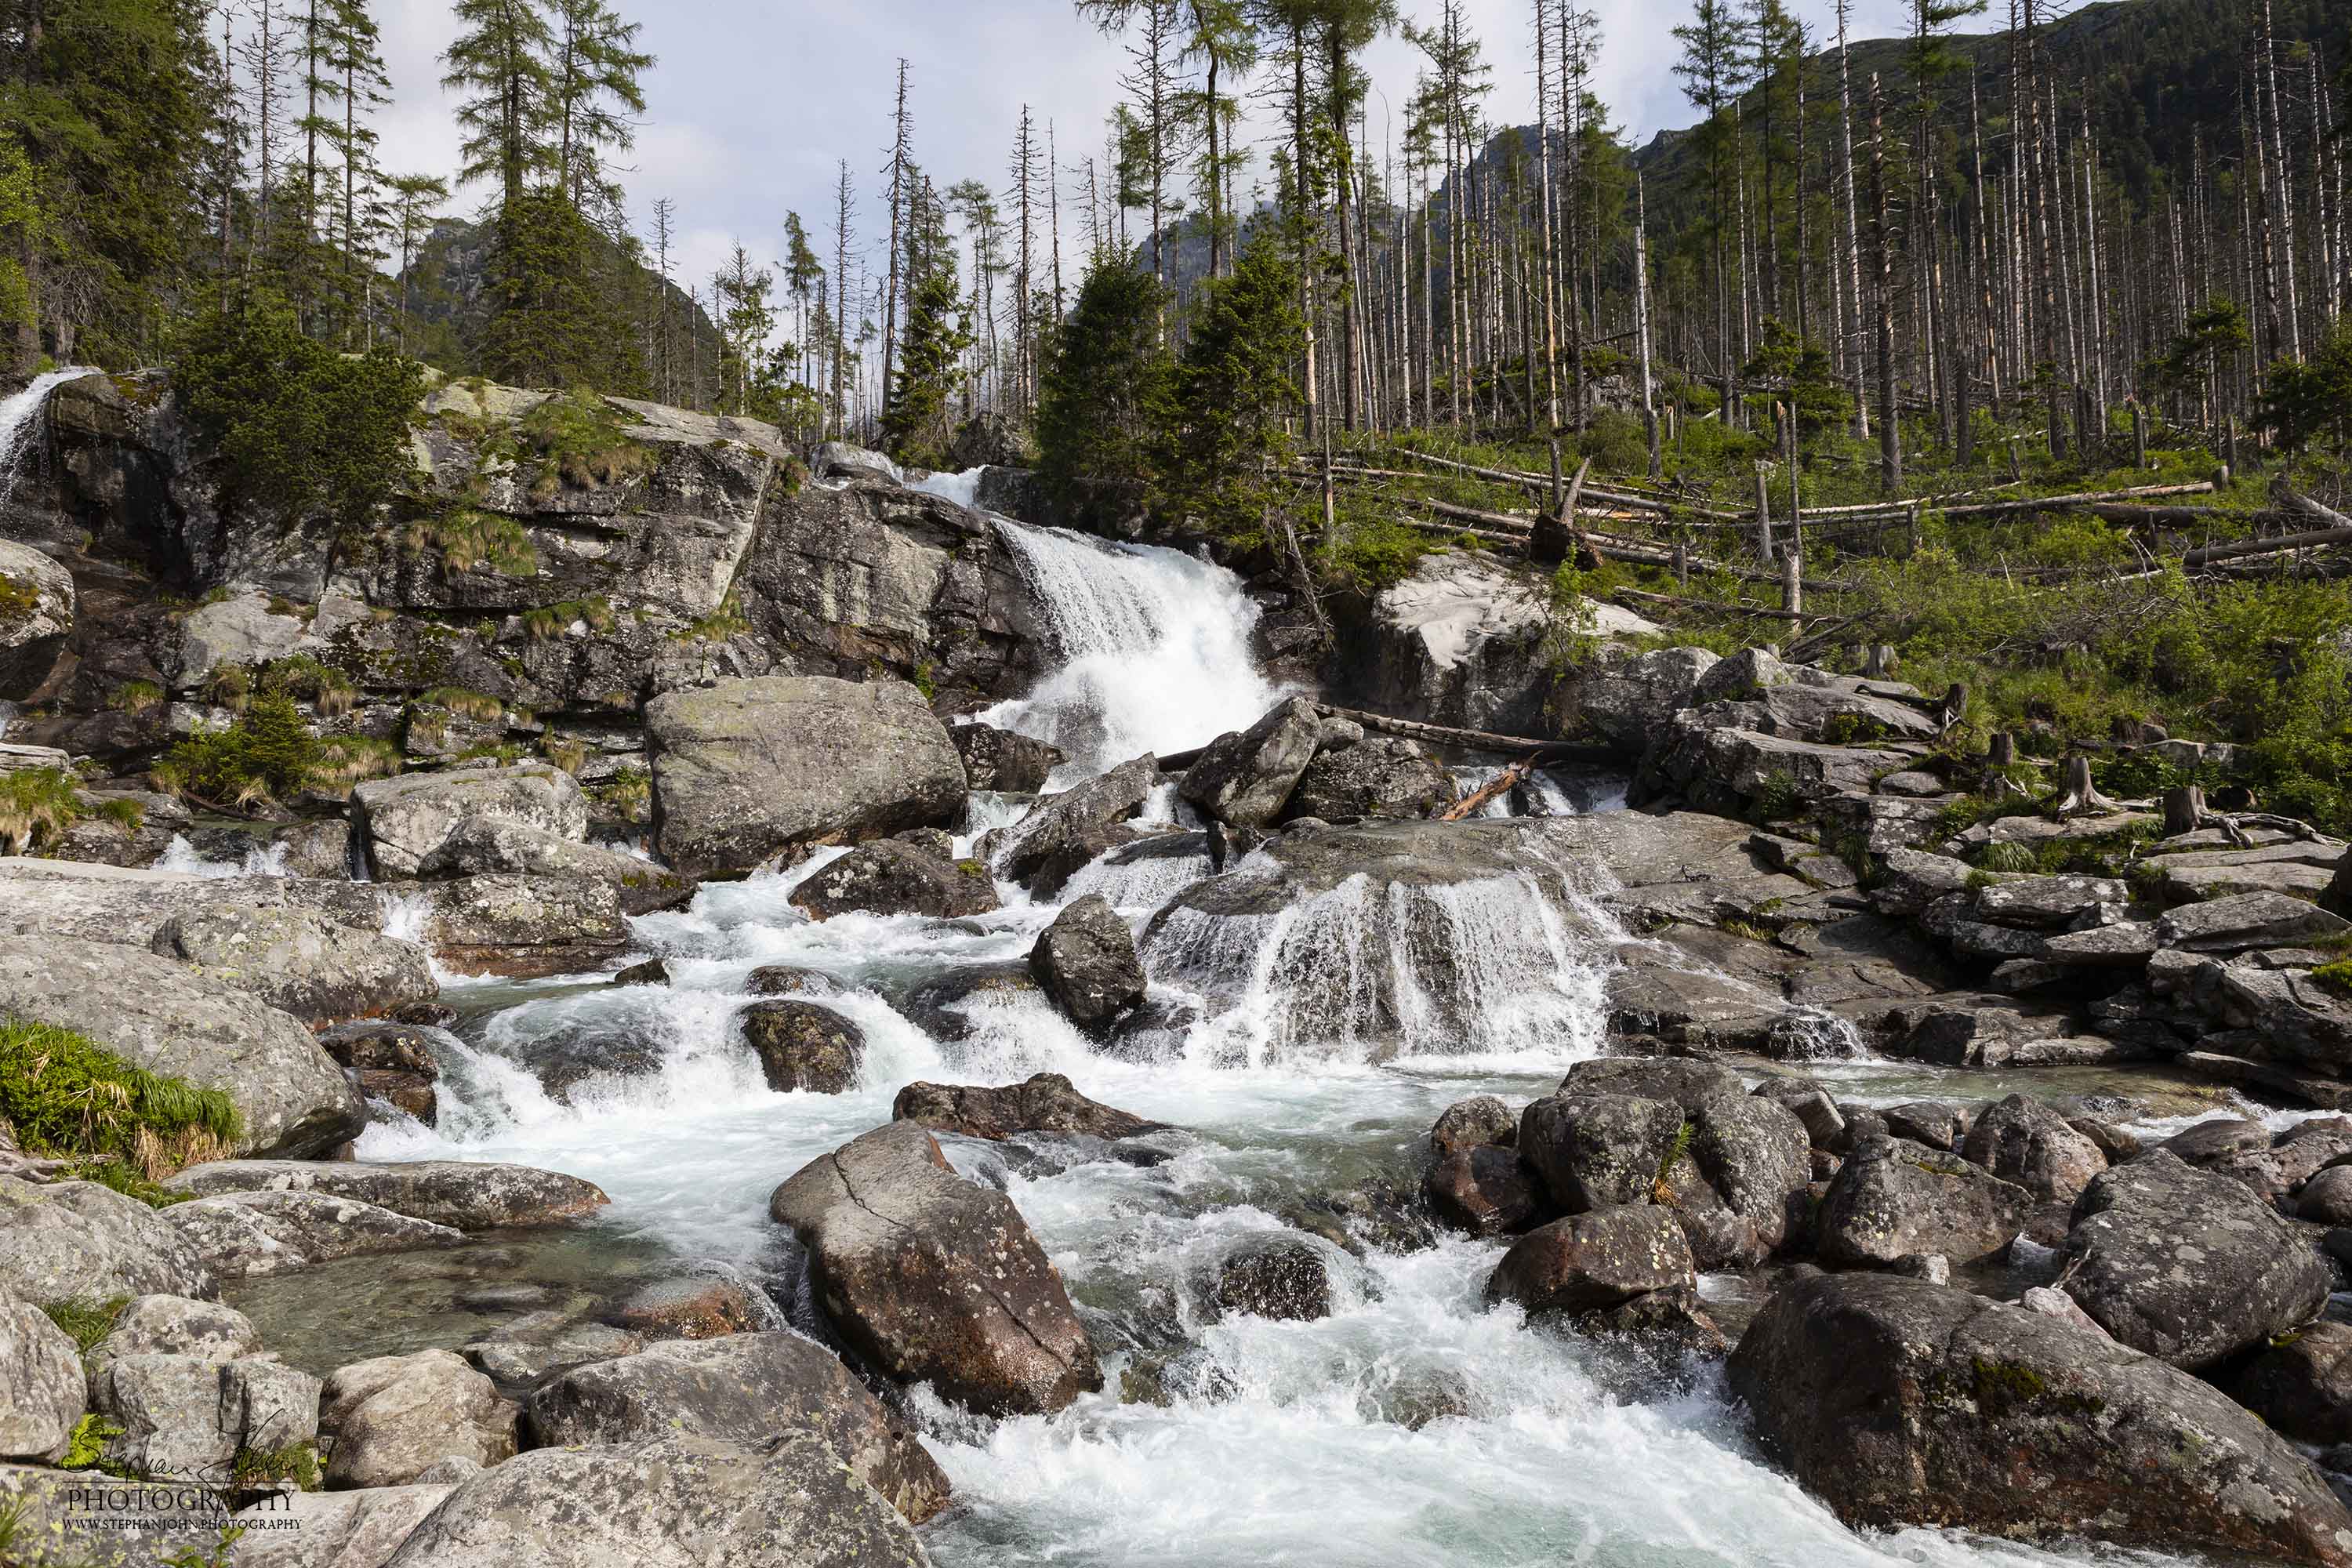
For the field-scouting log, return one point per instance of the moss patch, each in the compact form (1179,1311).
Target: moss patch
(36,806)
(68,1097)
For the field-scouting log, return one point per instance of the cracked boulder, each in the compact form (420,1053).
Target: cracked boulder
(933,1278)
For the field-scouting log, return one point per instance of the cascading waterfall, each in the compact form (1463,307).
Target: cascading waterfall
(20,421)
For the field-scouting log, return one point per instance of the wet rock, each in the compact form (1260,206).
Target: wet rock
(652,971)
(1894,1198)
(1468,1124)
(317,969)
(788,980)
(934,1278)
(2187,1265)
(425,1014)
(2205,1141)
(1045,1103)
(1000,760)
(1900,1402)
(290,1096)
(334,1530)
(2301,1387)
(392,1418)
(1933,1266)
(482,846)
(2113,1141)
(39,597)
(403,821)
(2247,920)
(746,771)
(2025,1142)
(1484,1190)
(252,1233)
(748,1389)
(41,1387)
(1751,1155)
(1588,1262)
(803,1045)
(515,1355)
(1680,1080)
(2300,1153)
(463,1193)
(1592,1150)
(1385,777)
(672,1501)
(65,1241)
(1066,827)
(1244,779)
(393,1062)
(1670,1326)
(1284,1281)
(693,1306)
(2326,1198)
(1085,961)
(523,928)
(891,878)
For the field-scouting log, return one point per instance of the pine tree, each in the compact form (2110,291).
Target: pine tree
(1710,70)
(917,422)
(1107,390)
(746,318)
(414,198)
(1232,392)
(500,60)
(592,66)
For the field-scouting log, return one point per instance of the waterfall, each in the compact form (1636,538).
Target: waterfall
(20,421)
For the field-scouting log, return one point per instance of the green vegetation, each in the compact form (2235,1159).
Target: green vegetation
(135,697)
(580,443)
(20,599)
(467,539)
(296,1462)
(71,1099)
(2336,976)
(627,795)
(1107,386)
(86,1449)
(269,754)
(36,806)
(86,1321)
(477,706)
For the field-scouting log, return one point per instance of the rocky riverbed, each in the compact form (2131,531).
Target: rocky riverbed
(1025,1074)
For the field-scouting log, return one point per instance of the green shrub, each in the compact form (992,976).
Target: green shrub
(478,706)
(2335,976)
(86,1321)
(269,754)
(346,760)
(20,599)
(580,441)
(70,1097)
(36,806)
(86,1450)
(467,539)
(135,697)
(296,1462)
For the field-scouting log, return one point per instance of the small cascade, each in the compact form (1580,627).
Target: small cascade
(265,861)
(20,422)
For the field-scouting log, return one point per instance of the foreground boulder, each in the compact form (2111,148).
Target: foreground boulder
(460,1194)
(403,823)
(333,1530)
(2025,1142)
(747,1388)
(672,1501)
(394,1417)
(2187,1265)
(1373,778)
(64,1241)
(1047,1102)
(1901,1403)
(41,1387)
(2304,1386)
(36,611)
(524,927)
(1588,1262)
(1085,961)
(1244,779)
(319,969)
(482,846)
(934,1278)
(891,877)
(291,1098)
(1893,1199)
(246,1234)
(804,1045)
(747,771)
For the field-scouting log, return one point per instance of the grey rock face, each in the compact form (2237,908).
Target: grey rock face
(1382,777)
(1085,961)
(1047,1102)
(405,822)
(2188,1265)
(177,1325)
(335,1530)
(290,1096)
(319,970)
(483,845)
(1624,701)
(393,1063)
(1592,1150)
(2245,920)
(2303,1387)
(931,1277)
(2025,1142)
(889,878)
(1901,1403)
(1244,779)
(1468,1124)
(524,927)
(66,1240)
(41,1386)
(1000,760)
(804,1045)
(1588,1262)
(673,1501)
(244,1234)
(1894,1198)
(750,770)
(747,1388)
(460,1193)
(1068,824)
(38,595)
(392,1417)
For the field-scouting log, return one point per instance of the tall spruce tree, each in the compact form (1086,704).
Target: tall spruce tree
(1234,391)
(917,420)
(1107,386)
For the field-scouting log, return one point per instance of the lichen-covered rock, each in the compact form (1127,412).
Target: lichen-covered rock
(37,612)
(1468,1123)
(2023,1140)
(177,1325)
(747,1388)
(934,1278)
(393,1063)
(1901,1403)
(1288,1281)
(1001,759)
(748,770)
(803,1045)
(393,1417)
(405,822)
(249,1232)
(1587,1262)
(321,971)
(484,845)
(1894,1198)
(1484,1190)
(888,878)
(333,1530)
(2188,1265)
(463,1195)
(1624,699)
(1045,1103)
(523,926)
(1374,777)
(41,1388)
(64,1241)
(1243,778)
(1085,961)
(290,1096)
(1595,1149)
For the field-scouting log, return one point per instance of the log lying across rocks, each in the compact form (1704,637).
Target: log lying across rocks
(1542,751)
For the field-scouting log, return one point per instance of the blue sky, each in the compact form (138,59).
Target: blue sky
(753,103)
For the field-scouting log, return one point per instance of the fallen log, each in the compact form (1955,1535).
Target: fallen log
(1472,739)
(2274,545)
(2064,503)
(1646,596)
(1501,784)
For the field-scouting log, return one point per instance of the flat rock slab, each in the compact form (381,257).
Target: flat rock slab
(68,1240)
(460,1193)
(244,1234)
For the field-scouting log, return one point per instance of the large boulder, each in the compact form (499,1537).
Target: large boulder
(934,1278)
(2025,1142)
(1085,961)
(461,1194)
(2188,1265)
(804,1045)
(1587,1262)
(1592,1150)
(1064,831)
(523,926)
(405,823)
(37,612)
(41,1387)
(65,1241)
(749,771)
(321,971)
(275,1231)
(1893,1199)
(333,1530)
(749,1389)
(1484,1190)
(483,845)
(1047,1102)
(673,1501)
(1242,779)
(392,1419)
(1376,777)
(1626,699)
(1002,761)
(290,1097)
(2302,1386)
(892,878)
(177,1325)
(1901,1403)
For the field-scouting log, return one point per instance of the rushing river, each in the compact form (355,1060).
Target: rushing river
(1414,1425)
